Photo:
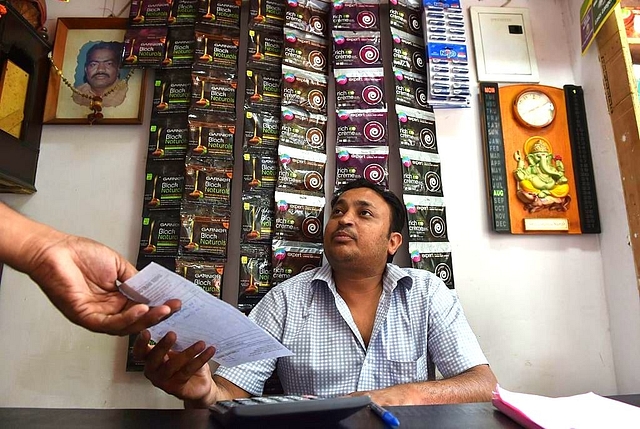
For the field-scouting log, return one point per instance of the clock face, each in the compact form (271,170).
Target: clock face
(534,108)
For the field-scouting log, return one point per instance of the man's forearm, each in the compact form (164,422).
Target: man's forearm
(18,235)
(221,390)
(473,385)
(209,399)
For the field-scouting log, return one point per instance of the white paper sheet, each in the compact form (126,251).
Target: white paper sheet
(586,411)
(202,317)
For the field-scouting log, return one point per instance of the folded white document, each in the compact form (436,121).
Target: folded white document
(202,317)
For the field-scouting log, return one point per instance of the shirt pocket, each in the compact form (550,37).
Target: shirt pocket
(405,366)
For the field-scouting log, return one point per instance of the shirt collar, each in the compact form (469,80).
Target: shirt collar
(392,277)
(324,275)
(395,276)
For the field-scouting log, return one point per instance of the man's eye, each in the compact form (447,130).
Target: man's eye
(336,211)
(365,213)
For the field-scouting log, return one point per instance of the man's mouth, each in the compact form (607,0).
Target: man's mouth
(342,235)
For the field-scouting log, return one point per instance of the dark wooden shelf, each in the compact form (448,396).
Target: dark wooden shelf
(23,46)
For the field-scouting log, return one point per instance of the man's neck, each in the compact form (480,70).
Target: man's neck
(354,287)
(100,91)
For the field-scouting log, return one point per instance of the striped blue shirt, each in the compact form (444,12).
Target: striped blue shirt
(418,320)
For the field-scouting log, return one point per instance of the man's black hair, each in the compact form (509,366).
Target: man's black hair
(398,214)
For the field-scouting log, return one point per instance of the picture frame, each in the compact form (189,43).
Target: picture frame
(83,55)
(24,72)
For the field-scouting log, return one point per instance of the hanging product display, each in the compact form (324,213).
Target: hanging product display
(361,111)
(361,127)
(257,219)
(283,133)
(298,217)
(299,196)
(421,173)
(421,169)
(356,15)
(145,43)
(263,92)
(291,258)
(417,129)
(206,274)
(446,48)
(168,138)
(186,212)
(208,167)
(303,89)
(369,162)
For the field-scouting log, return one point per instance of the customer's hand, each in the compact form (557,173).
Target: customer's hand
(78,275)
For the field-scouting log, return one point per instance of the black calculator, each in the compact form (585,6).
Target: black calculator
(289,410)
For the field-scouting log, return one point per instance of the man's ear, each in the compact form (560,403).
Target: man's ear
(395,240)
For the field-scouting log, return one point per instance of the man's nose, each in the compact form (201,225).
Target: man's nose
(347,218)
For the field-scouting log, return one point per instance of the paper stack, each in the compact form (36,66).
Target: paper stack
(586,411)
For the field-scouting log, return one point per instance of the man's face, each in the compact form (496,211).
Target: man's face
(101,69)
(357,232)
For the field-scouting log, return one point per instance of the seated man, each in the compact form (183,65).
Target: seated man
(359,325)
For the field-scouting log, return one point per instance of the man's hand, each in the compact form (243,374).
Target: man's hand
(185,374)
(78,275)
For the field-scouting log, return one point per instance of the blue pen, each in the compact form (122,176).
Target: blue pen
(385,415)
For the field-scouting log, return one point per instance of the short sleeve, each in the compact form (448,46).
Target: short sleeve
(452,344)
(269,314)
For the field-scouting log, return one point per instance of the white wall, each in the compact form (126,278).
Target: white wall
(90,182)
(537,304)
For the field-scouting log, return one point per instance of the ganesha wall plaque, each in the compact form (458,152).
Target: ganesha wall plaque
(538,160)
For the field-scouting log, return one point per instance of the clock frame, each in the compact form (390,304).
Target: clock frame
(529,121)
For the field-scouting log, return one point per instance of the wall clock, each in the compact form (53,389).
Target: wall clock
(534,108)
(538,160)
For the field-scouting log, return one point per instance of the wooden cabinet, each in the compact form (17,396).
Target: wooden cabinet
(24,73)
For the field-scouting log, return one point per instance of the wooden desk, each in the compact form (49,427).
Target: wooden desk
(479,415)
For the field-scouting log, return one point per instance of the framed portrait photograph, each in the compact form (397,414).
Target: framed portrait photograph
(87,84)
